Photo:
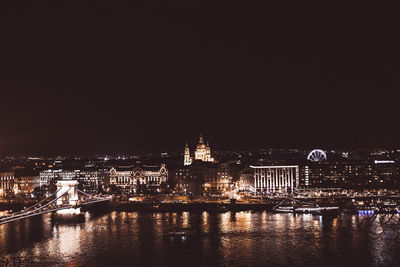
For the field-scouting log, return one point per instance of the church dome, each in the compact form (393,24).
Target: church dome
(201,144)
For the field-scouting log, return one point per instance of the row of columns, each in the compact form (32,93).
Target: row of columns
(275,179)
(121,180)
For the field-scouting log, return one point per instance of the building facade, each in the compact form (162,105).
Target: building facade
(245,183)
(217,179)
(132,179)
(50,176)
(351,174)
(202,177)
(94,180)
(276,179)
(91,180)
(25,185)
(202,152)
(6,183)
(121,177)
(187,160)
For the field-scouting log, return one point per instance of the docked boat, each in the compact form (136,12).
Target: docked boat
(307,210)
(318,210)
(300,207)
(367,209)
(285,209)
(366,212)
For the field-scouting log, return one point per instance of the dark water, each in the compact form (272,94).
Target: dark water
(227,239)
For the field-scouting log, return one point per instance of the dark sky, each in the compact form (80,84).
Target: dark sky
(150,75)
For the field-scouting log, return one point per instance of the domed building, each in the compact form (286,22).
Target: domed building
(202,152)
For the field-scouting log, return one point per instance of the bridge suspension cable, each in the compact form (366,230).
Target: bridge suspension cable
(33,206)
(38,209)
(23,214)
(86,194)
(40,202)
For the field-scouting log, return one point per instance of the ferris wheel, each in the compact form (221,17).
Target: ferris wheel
(316,155)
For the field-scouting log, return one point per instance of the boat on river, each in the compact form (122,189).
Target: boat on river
(182,233)
(307,210)
(304,208)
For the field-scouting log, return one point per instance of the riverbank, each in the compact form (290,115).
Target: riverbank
(345,205)
(172,207)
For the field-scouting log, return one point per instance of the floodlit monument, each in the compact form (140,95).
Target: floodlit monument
(202,152)
(67,191)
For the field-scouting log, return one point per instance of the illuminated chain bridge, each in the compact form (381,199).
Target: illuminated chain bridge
(67,196)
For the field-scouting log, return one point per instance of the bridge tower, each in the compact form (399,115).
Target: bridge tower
(68,189)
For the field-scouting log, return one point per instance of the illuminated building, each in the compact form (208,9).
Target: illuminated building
(217,179)
(202,152)
(6,183)
(94,180)
(91,180)
(202,177)
(187,159)
(132,179)
(246,182)
(48,177)
(150,175)
(357,174)
(276,179)
(24,185)
(122,178)
(180,178)
(306,176)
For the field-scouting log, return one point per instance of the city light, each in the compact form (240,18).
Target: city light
(199,133)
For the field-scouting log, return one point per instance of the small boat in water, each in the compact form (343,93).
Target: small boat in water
(182,233)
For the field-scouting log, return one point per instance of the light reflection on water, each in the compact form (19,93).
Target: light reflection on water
(231,238)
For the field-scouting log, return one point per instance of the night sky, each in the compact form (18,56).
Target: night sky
(150,75)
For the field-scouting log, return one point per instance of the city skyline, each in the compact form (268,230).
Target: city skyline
(199,133)
(191,143)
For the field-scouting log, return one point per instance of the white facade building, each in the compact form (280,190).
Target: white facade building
(276,179)
(187,158)
(6,183)
(129,178)
(91,179)
(50,176)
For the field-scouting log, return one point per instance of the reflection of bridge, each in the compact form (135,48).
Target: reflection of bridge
(65,197)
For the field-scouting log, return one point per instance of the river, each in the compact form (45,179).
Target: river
(224,239)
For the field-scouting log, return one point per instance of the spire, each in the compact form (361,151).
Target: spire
(187,149)
(187,159)
(201,141)
(208,150)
